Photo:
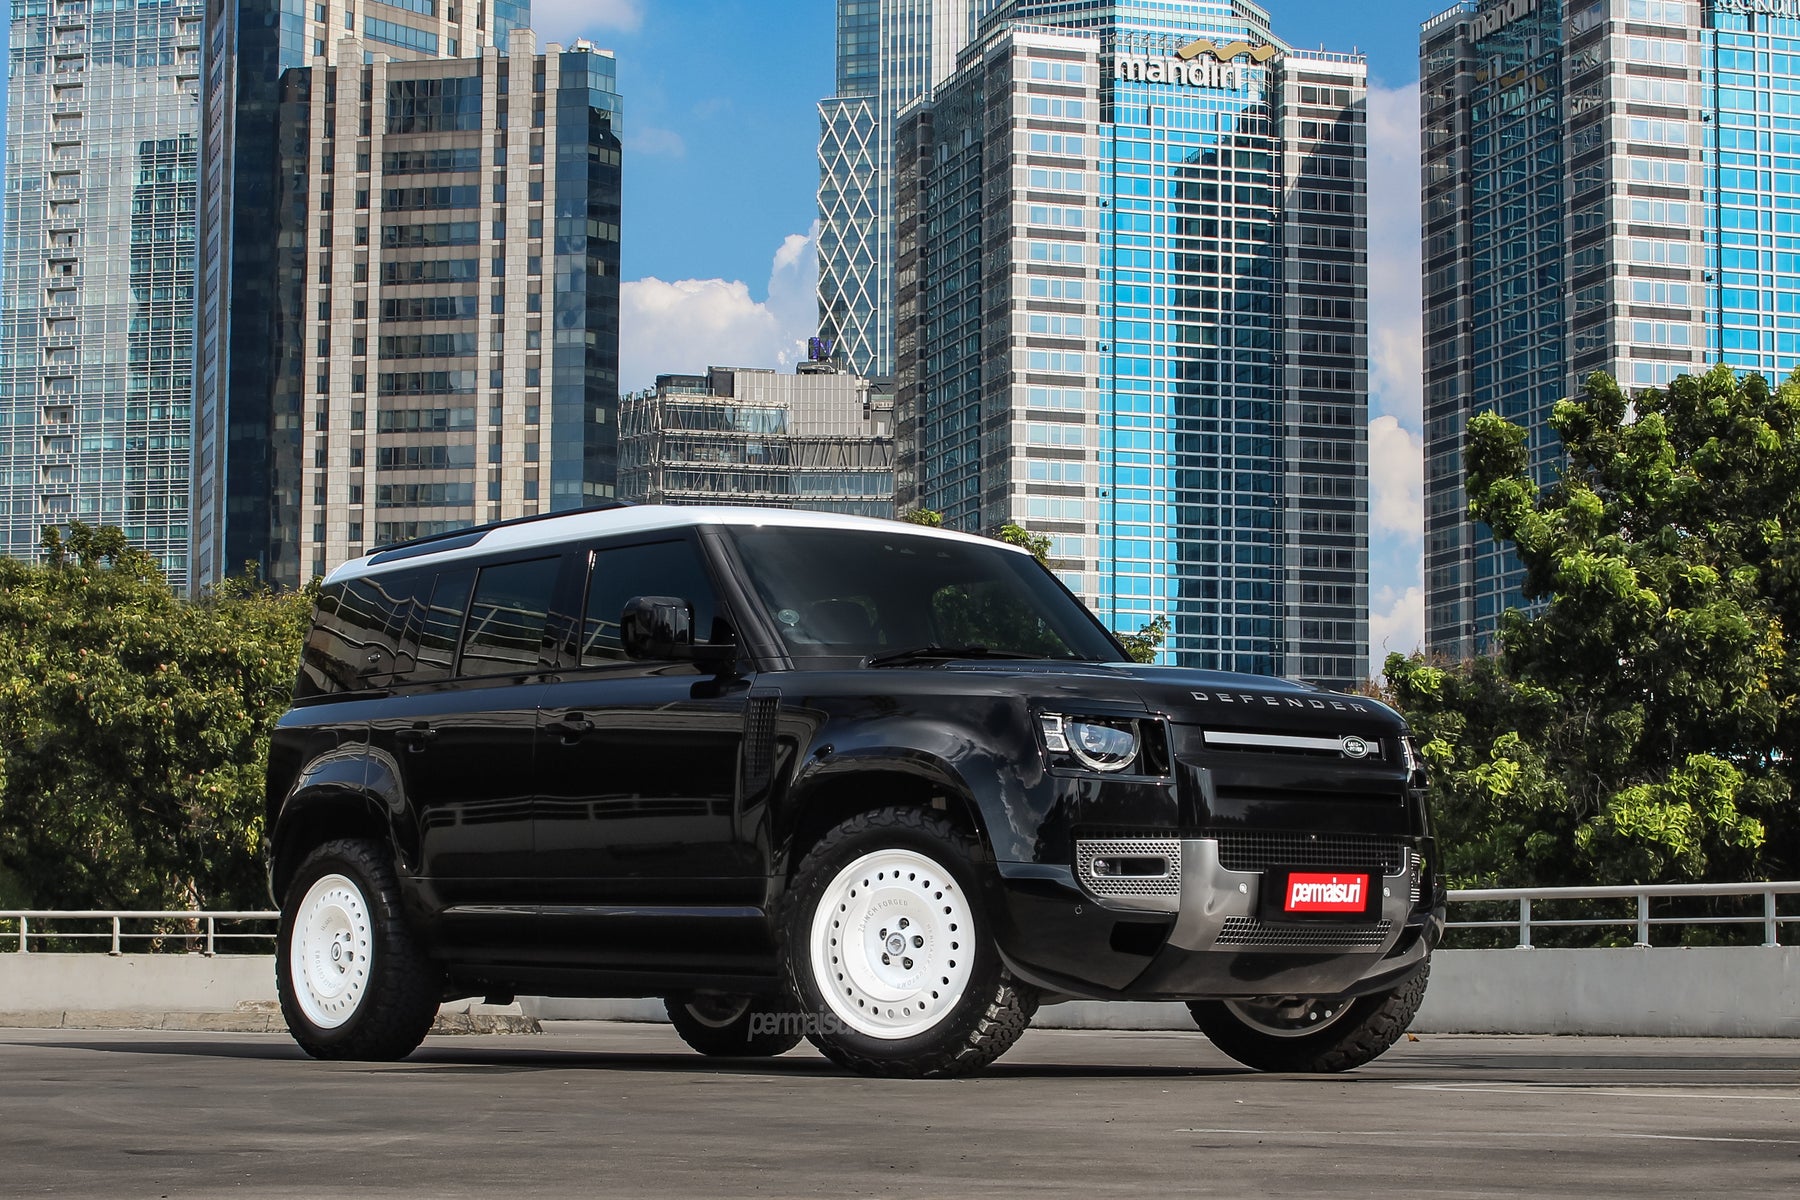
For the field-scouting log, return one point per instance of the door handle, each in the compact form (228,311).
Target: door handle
(570,728)
(415,737)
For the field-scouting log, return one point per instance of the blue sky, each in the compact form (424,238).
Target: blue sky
(721,168)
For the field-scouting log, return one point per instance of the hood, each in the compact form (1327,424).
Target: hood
(1190,696)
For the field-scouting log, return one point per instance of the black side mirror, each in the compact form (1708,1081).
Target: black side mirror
(657,627)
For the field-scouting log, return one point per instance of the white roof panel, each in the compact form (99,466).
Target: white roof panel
(577,526)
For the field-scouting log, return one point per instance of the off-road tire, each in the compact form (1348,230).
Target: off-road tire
(394,1008)
(762,1027)
(1361,1035)
(993,1010)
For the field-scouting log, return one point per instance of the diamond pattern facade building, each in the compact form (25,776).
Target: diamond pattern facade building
(889,52)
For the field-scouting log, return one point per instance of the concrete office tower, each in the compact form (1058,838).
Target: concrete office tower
(1608,187)
(445,297)
(238,496)
(1132,315)
(820,439)
(889,52)
(97,278)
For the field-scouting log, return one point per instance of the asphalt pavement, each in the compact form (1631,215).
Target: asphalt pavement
(625,1110)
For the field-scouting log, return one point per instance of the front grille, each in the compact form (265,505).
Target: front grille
(1241,850)
(1114,883)
(1247,931)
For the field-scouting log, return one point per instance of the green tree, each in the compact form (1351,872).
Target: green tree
(1017,535)
(1143,645)
(1640,722)
(134,728)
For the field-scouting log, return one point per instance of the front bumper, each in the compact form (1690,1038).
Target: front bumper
(1194,931)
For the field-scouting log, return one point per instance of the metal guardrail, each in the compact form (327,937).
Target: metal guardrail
(204,927)
(1771,919)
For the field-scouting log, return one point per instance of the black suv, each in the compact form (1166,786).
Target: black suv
(885,787)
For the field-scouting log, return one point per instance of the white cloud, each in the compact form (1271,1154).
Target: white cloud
(1395,358)
(659,143)
(565,20)
(1396,479)
(687,325)
(1396,625)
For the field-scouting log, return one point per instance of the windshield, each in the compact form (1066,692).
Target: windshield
(843,592)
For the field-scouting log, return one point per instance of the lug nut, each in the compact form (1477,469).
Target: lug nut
(918,942)
(906,963)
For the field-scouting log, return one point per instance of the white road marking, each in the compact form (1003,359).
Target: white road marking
(1716,1091)
(1411,1137)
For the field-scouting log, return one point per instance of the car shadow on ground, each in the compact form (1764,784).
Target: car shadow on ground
(439,1060)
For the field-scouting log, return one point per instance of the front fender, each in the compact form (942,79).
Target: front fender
(987,758)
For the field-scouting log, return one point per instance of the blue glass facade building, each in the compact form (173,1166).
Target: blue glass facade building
(1609,185)
(1132,315)
(96,277)
(1750,86)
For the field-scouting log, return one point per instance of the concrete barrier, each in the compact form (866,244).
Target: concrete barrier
(1652,992)
(180,991)
(1660,991)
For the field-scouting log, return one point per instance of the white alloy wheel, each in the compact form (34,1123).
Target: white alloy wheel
(893,944)
(332,951)
(1290,1016)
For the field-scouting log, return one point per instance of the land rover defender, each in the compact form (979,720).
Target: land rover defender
(885,787)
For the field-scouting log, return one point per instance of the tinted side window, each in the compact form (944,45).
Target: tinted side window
(507,617)
(325,666)
(440,624)
(364,633)
(622,572)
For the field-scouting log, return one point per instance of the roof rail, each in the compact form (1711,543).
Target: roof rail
(474,533)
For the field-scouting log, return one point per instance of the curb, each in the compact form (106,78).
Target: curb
(242,1021)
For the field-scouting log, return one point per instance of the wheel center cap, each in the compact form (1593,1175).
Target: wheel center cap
(337,952)
(896,944)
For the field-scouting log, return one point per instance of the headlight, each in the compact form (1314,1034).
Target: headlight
(1097,743)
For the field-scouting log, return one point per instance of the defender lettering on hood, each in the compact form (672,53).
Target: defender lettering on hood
(1302,702)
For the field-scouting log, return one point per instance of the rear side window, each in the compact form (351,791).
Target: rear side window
(623,572)
(508,616)
(364,633)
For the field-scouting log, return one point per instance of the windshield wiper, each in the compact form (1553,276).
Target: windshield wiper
(927,652)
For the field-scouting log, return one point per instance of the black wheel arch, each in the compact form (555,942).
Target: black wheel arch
(318,815)
(830,794)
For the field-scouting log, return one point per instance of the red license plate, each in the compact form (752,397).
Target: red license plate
(1346,892)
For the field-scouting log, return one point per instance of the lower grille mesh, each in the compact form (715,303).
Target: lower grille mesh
(1258,851)
(1247,931)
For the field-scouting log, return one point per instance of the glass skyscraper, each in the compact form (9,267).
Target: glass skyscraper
(240,493)
(1610,185)
(96,282)
(1132,315)
(889,52)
